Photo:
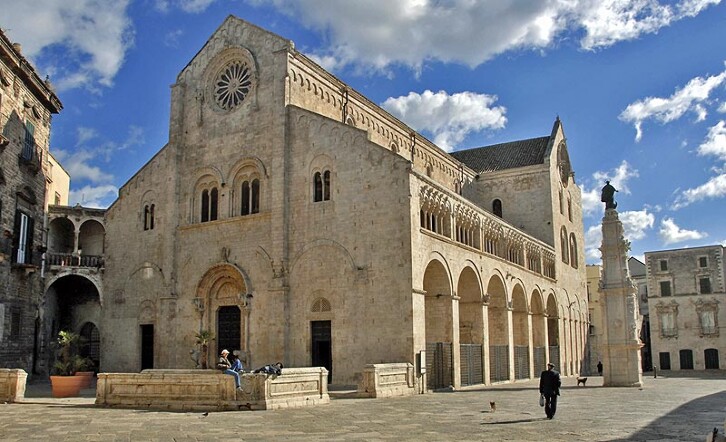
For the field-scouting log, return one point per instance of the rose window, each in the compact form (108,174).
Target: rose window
(232,85)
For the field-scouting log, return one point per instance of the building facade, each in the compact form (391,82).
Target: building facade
(26,106)
(685,293)
(299,222)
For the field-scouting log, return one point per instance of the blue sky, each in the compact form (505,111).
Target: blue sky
(640,86)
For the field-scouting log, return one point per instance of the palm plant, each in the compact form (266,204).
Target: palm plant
(69,361)
(204,337)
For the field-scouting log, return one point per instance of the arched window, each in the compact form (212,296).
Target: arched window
(318,190)
(321,186)
(569,208)
(564,246)
(209,204)
(205,206)
(148,217)
(562,204)
(245,198)
(255,197)
(326,185)
(213,197)
(497,207)
(573,250)
(147,214)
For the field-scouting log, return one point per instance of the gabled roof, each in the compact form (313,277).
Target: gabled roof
(503,156)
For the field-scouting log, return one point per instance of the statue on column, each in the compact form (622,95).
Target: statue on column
(608,196)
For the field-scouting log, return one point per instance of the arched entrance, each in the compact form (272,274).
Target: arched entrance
(439,327)
(553,331)
(498,330)
(72,303)
(224,299)
(520,333)
(471,328)
(539,333)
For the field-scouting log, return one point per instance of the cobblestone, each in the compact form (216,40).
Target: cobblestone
(675,407)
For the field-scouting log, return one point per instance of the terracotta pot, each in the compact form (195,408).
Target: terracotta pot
(88,378)
(66,386)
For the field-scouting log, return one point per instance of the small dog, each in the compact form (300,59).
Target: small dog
(581,381)
(493,406)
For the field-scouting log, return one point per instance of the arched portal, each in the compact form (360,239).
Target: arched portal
(520,333)
(471,328)
(90,243)
(72,301)
(553,331)
(539,333)
(498,330)
(439,327)
(224,295)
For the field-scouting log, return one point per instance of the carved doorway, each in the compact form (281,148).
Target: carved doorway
(147,346)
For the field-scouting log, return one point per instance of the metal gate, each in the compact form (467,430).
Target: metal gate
(499,363)
(555,357)
(438,365)
(539,360)
(472,371)
(521,362)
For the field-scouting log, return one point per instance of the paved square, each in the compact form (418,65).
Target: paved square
(675,407)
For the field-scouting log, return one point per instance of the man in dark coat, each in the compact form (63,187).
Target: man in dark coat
(549,386)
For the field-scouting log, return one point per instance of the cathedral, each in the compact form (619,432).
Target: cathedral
(297,221)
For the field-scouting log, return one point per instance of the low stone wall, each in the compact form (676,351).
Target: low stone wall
(386,380)
(212,390)
(12,384)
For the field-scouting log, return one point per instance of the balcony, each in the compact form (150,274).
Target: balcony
(73,260)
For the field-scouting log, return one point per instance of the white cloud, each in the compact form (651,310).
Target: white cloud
(610,21)
(715,142)
(665,110)
(379,33)
(95,36)
(94,196)
(670,233)
(192,6)
(713,188)
(79,168)
(593,240)
(449,118)
(618,177)
(635,223)
(722,108)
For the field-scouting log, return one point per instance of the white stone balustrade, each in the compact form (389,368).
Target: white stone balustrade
(12,384)
(386,380)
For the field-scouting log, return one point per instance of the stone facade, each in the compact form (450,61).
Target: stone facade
(26,106)
(685,293)
(299,222)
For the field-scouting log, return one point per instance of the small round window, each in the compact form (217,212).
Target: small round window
(232,85)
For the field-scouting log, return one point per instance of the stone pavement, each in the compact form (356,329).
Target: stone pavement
(676,406)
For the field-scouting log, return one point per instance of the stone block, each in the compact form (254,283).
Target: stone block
(12,384)
(386,380)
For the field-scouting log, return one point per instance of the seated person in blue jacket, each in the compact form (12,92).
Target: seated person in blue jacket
(226,366)
(236,363)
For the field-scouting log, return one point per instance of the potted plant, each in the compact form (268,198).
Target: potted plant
(204,337)
(64,382)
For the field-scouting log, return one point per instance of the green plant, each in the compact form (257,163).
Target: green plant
(204,337)
(69,361)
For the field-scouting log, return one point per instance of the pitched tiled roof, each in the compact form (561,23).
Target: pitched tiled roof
(505,155)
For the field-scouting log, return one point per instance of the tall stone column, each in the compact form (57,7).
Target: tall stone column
(621,342)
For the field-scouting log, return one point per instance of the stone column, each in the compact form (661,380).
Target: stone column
(621,344)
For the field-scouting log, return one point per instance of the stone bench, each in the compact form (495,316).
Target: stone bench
(386,380)
(12,384)
(212,390)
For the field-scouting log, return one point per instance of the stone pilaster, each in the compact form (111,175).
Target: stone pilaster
(621,342)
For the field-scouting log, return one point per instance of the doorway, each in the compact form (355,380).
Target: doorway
(147,346)
(91,343)
(711,357)
(228,328)
(321,348)
(686,359)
